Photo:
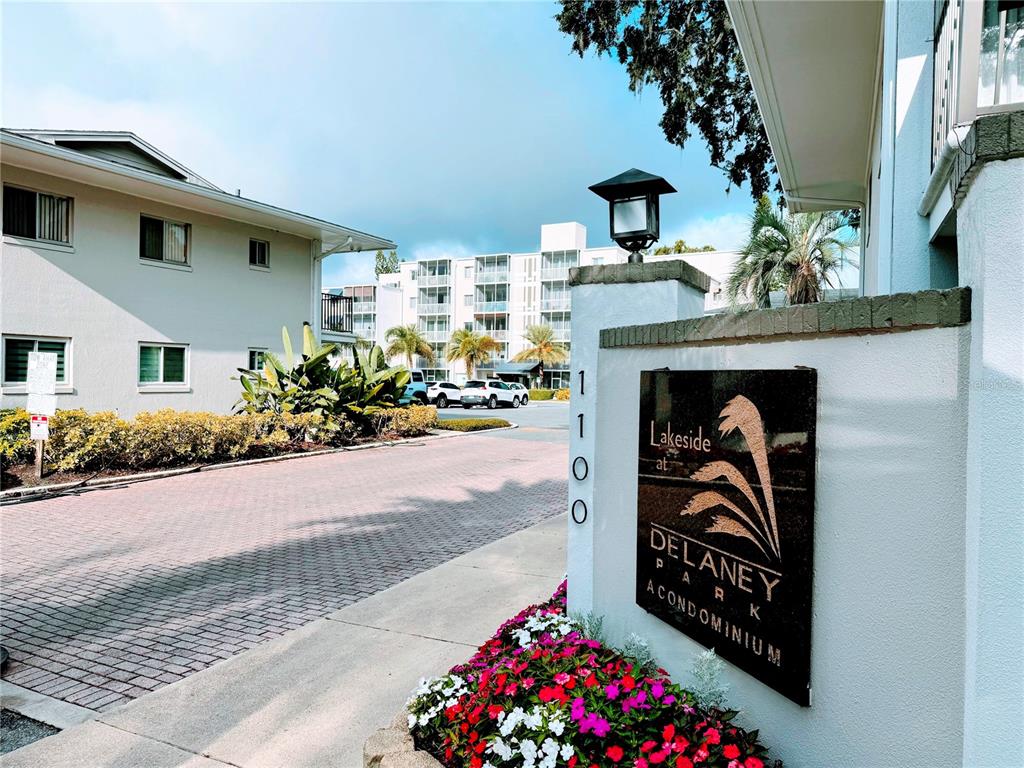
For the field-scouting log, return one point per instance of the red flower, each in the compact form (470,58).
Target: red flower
(712,736)
(475,762)
(752,762)
(647,746)
(669,732)
(659,756)
(628,683)
(615,754)
(494,710)
(731,751)
(684,762)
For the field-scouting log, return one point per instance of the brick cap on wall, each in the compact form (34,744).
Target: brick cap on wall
(998,136)
(677,269)
(870,314)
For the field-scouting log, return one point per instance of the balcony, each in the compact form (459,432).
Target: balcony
(556,304)
(442,335)
(496,334)
(442,308)
(483,307)
(335,313)
(555,274)
(491,276)
(364,307)
(426,279)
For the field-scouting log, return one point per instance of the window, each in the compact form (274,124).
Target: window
(259,254)
(412,302)
(468,325)
(256,359)
(166,241)
(16,351)
(37,215)
(162,364)
(598,260)
(467,272)
(467,300)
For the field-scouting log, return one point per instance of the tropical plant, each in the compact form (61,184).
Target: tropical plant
(406,340)
(798,252)
(314,383)
(472,348)
(363,343)
(680,246)
(543,348)
(385,263)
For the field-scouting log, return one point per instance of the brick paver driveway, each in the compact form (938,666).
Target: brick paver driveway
(113,593)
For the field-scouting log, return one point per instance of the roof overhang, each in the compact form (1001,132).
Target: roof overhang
(42,157)
(815,69)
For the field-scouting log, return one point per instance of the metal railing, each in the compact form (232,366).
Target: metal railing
(555,303)
(424,279)
(336,313)
(549,274)
(434,309)
(497,335)
(364,307)
(491,276)
(436,335)
(947,76)
(490,306)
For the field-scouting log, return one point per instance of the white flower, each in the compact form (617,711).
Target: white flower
(556,726)
(412,721)
(567,751)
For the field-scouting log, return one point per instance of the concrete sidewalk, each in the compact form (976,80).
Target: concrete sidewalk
(313,696)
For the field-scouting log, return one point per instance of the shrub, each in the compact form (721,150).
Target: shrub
(472,425)
(562,394)
(541,693)
(542,394)
(81,441)
(410,421)
(15,445)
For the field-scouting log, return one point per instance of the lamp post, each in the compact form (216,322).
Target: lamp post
(633,207)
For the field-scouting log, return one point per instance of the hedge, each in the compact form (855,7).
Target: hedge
(542,394)
(85,442)
(472,425)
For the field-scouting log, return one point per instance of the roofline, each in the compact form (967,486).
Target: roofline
(372,242)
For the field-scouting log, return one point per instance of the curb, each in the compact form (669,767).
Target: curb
(393,747)
(41,491)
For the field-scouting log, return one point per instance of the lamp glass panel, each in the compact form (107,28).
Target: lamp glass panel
(629,216)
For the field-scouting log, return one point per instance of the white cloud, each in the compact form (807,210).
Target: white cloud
(441,249)
(727,232)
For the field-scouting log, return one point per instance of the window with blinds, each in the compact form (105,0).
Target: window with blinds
(161,240)
(161,364)
(16,350)
(36,215)
(256,359)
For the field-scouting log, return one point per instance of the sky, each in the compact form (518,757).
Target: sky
(449,128)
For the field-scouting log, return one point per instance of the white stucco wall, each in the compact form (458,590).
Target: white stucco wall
(990,243)
(106,300)
(887,659)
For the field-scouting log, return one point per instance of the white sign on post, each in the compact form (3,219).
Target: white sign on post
(39,427)
(42,383)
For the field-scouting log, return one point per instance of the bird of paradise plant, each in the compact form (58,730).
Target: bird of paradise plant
(758,523)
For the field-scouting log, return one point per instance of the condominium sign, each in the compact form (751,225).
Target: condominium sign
(725,514)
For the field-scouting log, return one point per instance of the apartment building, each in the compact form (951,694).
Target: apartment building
(500,294)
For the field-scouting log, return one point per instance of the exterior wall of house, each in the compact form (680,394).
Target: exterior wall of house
(106,300)
(991,240)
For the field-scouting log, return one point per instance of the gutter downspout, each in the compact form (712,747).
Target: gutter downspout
(943,163)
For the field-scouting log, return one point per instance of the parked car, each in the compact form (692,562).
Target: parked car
(444,393)
(491,393)
(416,389)
(524,393)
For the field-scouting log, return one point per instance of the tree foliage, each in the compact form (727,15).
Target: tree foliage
(542,347)
(680,246)
(472,348)
(406,340)
(800,252)
(385,263)
(687,50)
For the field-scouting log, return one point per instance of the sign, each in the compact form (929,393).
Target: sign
(725,515)
(39,427)
(42,374)
(44,404)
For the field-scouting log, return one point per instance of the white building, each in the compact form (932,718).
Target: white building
(498,294)
(152,285)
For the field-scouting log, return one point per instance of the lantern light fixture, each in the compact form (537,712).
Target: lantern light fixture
(633,209)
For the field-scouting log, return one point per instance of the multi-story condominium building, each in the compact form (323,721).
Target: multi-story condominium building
(150,284)
(499,294)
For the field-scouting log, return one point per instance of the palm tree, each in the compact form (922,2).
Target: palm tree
(542,347)
(407,340)
(798,252)
(472,348)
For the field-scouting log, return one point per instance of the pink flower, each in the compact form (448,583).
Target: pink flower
(657,689)
(668,700)
(562,678)
(577,709)
(712,736)
(612,691)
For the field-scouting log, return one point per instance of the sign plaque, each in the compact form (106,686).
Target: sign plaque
(42,373)
(725,515)
(39,427)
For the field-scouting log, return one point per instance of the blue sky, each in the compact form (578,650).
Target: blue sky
(451,128)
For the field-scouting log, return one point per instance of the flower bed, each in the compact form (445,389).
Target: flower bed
(539,695)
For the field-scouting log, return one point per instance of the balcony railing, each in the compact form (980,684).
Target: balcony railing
(434,309)
(549,274)
(436,335)
(336,313)
(497,335)
(424,279)
(491,276)
(555,303)
(490,306)
(364,307)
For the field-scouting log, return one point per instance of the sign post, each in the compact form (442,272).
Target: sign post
(41,386)
(725,514)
